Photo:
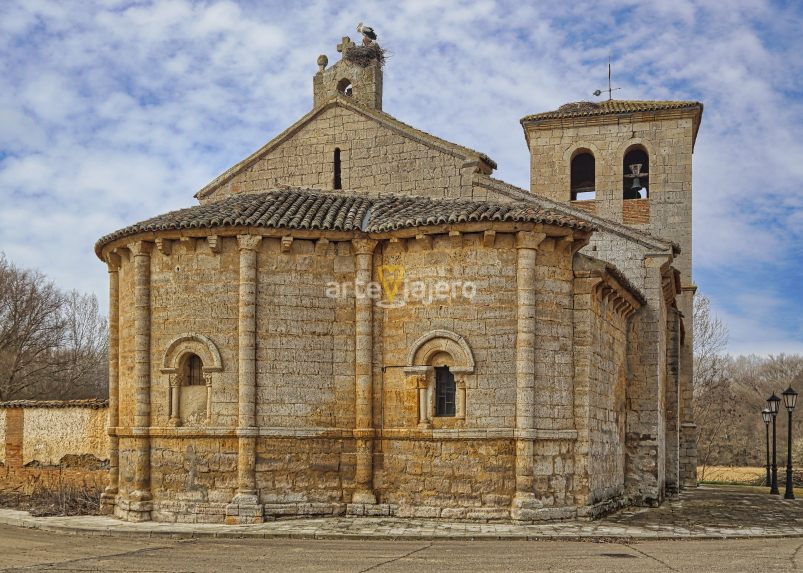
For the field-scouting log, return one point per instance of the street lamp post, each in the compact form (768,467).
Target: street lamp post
(789,399)
(772,404)
(767,415)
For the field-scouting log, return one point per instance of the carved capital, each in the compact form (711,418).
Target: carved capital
(363,246)
(175,380)
(140,248)
(421,381)
(249,242)
(208,379)
(529,239)
(113,262)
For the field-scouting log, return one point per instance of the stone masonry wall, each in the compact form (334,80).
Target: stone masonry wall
(600,368)
(373,157)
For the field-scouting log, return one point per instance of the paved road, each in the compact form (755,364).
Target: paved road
(32,550)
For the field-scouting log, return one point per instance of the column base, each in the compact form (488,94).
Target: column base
(132,510)
(525,506)
(107,502)
(364,497)
(245,509)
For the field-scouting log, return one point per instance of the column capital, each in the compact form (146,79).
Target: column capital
(529,239)
(249,242)
(140,248)
(364,246)
(113,262)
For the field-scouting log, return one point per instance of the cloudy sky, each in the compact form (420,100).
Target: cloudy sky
(113,111)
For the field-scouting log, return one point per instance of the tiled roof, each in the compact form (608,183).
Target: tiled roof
(301,208)
(588,108)
(93,403)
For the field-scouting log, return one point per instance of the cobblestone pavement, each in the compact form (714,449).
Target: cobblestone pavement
(707,512)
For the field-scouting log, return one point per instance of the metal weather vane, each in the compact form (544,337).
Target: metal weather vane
(610,90)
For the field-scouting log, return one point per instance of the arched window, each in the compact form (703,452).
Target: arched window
(337,184)
(193,371)
(583,177)
(636,169)
(445,390)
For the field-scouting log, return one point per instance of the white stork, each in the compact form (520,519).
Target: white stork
(368,34)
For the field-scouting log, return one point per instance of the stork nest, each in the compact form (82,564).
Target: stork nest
(364,55)
(580,106)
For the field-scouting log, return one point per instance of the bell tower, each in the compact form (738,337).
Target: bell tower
(627,161)
(358,75)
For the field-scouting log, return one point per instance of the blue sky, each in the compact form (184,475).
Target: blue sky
(114,111)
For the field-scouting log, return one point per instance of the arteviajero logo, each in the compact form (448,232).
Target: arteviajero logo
(398,290)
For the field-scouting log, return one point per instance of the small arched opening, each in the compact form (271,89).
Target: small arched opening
(337,181)
(344,86)
(583,177)
(636,170)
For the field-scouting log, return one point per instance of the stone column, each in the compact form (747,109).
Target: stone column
(107,499)
(140,504)
(175,397)
(363,369)
(245,507)
(524,501)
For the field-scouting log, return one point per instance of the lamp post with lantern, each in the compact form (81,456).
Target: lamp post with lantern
(767,415)
(789,399)
(772,405)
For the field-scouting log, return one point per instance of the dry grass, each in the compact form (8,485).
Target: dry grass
(748,475)
(59,499)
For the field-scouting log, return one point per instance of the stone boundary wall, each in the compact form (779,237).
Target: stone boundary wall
(53,442)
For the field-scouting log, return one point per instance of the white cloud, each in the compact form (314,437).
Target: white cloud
(114,111)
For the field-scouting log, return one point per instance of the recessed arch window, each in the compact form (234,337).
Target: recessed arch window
(583,177)
(636,169)
(445,391)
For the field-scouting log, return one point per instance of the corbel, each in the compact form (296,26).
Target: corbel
(215,243)
(189,244)
(564,244)
(164,246)
(287,243)
(398,244)
(321,246)
(579,244)
(488,238)
(456,238)
(424,241)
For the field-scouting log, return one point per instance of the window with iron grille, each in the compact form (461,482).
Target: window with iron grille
(194,371)
(444,392)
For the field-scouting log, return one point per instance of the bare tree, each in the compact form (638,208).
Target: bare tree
(714,399)
(82,354)
(53,345)
(31,328)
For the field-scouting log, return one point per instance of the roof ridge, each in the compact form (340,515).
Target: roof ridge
(588,108)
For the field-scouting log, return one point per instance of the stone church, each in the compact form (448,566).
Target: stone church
(358,319)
